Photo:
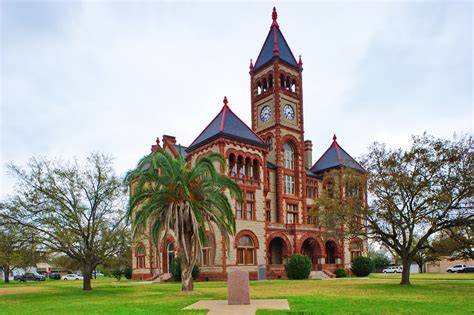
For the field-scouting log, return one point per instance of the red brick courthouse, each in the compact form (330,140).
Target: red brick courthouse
(272,163)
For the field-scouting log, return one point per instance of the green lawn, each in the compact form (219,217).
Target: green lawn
(381,294)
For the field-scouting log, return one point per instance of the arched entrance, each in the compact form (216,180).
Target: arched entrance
(277,247)
(331,250)
(310,248)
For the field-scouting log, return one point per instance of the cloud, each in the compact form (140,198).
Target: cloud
(112,77)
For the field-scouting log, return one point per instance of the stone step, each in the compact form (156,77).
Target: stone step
(319,275)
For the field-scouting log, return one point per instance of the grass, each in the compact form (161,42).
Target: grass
(379,294)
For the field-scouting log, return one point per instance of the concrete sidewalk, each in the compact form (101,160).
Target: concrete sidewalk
(220,307)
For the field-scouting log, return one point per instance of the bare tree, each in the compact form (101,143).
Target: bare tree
(75,210)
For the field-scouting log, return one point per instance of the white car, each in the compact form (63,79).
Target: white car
(393,269)
(456,268)
(72,276)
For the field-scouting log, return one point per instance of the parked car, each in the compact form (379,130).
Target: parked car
(72,276)
(456,268)
(467,269)
(31,277)
(393,269)
(98,273)
(55,276)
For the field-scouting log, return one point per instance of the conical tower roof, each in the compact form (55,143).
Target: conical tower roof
(228,125)
(275,45)
(335,157)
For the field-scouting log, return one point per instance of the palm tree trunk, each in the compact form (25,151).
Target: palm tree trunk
(186,276)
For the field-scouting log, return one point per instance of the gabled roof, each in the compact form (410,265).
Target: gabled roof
(275,45)
(181,150)
(335,157)
(228,125)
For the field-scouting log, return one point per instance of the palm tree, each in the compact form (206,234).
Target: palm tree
(171,194)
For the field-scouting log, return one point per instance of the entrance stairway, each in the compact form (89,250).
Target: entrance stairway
(160,277)
(321,275)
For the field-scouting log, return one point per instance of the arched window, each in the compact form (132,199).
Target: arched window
(232,165)
(140,255)
(270,143)
(265,85)
(288,83)
(255,171)
(248,167)
(240,166)
(245,251)
(282,80)
(356,250)
(270,81)
(259,88)
(289,156)
(293,86)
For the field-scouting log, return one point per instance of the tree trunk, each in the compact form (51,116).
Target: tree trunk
(186,276)
(6,272)
(87,274)
(420,267)
(406,271)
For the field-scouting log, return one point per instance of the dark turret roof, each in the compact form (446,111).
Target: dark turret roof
(335,157)
(275,45)
(228,125)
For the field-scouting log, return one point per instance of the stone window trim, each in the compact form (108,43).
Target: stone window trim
(246,252)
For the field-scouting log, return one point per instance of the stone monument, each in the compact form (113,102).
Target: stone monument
(238,288)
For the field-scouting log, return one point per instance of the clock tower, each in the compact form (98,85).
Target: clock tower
(277,117)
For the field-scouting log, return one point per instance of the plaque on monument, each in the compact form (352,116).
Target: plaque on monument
(238,288)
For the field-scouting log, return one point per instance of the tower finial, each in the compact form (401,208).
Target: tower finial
(300,62)
(251,65)
(334,138)
(274,16)
(225,101)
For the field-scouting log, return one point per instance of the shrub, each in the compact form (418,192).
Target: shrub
(362,266)
(117,274)
(127,273)
(298,267)
(340,273)
(176,269)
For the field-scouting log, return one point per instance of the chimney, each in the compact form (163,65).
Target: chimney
(308,153)
(169,139)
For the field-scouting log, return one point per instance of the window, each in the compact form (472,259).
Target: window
(270,143)
(355,250)
(310,216)
(288,156)
(249,205)
(291,214)
(206,252)
(140,256)
(289,184)
(268,213)
(232,165)
(254,170)
(239,211)
(245,251)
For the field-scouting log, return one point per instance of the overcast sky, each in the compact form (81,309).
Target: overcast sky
(79,77)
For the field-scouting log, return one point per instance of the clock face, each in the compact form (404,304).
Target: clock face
(265,113)
(289,112)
